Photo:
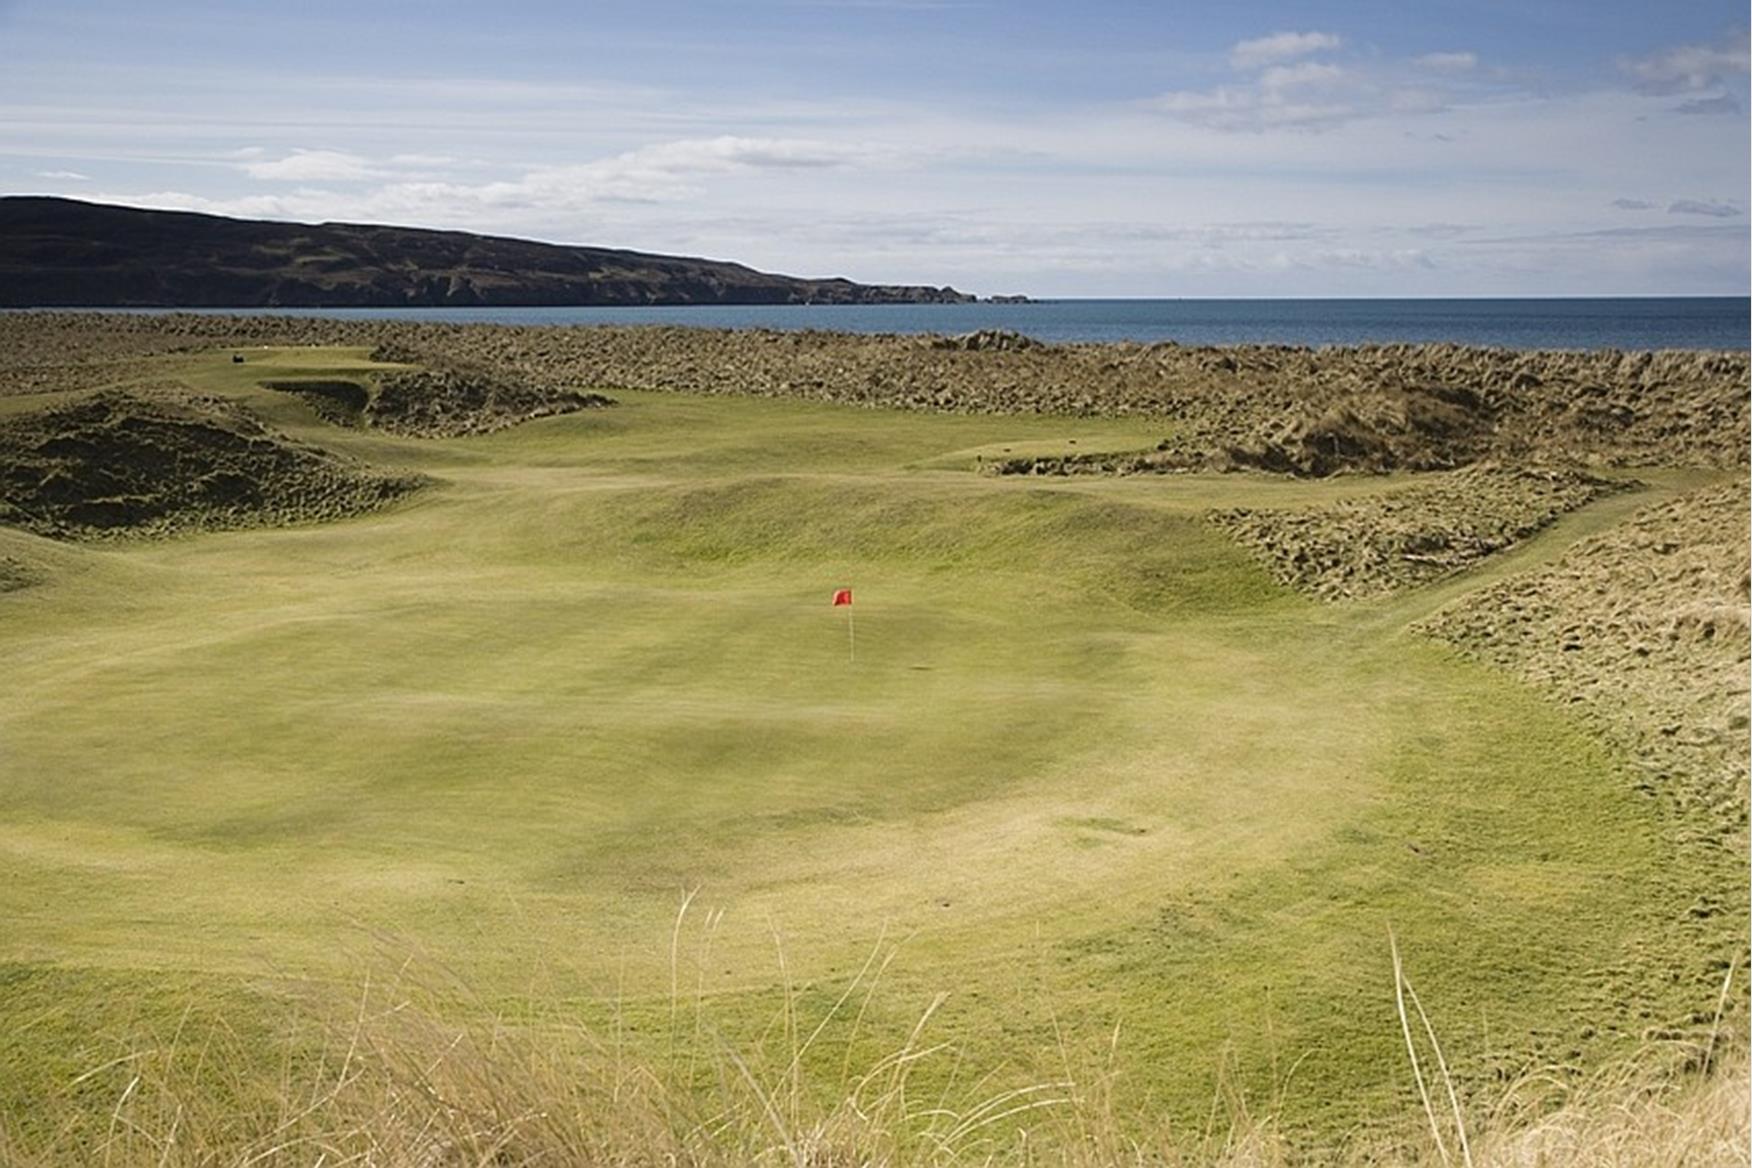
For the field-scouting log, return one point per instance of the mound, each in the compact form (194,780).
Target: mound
(1426,427)
(1645,627)
(119,462)
(1642,632)
(340,402)
(443,403)
(987,340)
(1369,546)
(15,574)
(447,400)
(1430,427)
(75,377)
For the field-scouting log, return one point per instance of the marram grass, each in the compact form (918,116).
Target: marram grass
(386,1081)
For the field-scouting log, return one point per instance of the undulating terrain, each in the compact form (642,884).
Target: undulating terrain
(489,675)
(67,252)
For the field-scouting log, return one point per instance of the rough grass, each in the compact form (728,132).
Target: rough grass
(126,463)
(1095,766)
(1436,526)
(1311,410)
(388,1080)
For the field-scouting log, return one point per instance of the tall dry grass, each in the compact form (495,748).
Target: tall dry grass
(393,1084)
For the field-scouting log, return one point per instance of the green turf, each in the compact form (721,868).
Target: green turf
(1090,762)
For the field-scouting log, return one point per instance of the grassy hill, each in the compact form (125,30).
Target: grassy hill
(1092,770)
(59,252)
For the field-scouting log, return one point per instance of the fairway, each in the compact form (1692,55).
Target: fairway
(1090,768)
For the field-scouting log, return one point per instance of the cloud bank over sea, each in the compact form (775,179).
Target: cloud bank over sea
(1117,152)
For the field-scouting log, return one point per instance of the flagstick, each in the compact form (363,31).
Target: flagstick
(851,635)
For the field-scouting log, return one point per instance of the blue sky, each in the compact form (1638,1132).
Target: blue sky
(1124,148)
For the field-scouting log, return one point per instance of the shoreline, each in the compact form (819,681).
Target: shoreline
(1566,324)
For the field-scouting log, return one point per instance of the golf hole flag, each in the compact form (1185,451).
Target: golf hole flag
(842,597)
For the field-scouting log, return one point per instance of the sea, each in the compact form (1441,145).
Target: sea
(1640,322)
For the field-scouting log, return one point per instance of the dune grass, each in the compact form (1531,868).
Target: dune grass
(1091,771)
(389,1082)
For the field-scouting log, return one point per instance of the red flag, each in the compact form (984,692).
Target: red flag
(843,596)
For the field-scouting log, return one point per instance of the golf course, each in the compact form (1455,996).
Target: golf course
(566,732)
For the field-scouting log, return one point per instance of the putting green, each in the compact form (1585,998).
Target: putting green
(1089,761)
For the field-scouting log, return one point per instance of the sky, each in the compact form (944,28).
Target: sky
(1117,148)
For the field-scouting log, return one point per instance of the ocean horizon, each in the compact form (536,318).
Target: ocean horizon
(1603,322)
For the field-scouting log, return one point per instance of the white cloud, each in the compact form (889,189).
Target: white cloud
(326,166)
(1633,204)
(1304,74)
(1720,104)
(1712,233)
(1304,95)
(728,152)
(1707,207)
(1095,198)
(1416,99)
(1442,230)
(314,166)
(1689,68)
(1447,62)
(1256,109)
(62,175)
(1281,46)
(1351,257)
(669,171)
(661,173)
(297,207)
(1320,95)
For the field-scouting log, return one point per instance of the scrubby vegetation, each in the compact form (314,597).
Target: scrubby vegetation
(445,402)
(447,399)
(1645,625)
(1440,525)
(158,462)
(14,574)
(1311,411)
